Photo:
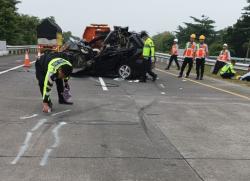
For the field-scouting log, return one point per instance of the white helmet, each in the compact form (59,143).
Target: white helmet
(225,45)
(176,40)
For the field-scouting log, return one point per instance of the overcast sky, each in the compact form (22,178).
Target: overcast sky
(151,15)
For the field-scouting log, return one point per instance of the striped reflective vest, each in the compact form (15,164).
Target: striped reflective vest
(201,50)
(228,68)
(149,48)
(190,50)
(174,50)
(51,76)
(224,56)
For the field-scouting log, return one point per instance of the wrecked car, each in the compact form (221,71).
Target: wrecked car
(116,53)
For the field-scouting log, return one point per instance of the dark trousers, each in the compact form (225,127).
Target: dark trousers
(186,61)
(173,58)
(200,67)
(218,65)
(227,75)
(40,75)
(147,69)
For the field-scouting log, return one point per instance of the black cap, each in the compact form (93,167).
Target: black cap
(144,34)
(66,69)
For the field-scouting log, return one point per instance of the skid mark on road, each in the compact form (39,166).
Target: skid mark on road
(23,148)
(62,112)
(39,124)
(56,143)
(25,145)
(162,86)
(28,117)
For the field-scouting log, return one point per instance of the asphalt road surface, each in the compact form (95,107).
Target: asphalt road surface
(170,130)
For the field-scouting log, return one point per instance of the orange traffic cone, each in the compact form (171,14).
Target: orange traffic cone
(27,60)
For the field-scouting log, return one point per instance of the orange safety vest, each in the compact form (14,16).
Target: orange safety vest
(224,56)
(174,50)
(190,48)
(201,51)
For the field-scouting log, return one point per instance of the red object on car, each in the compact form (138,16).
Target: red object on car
(95,30)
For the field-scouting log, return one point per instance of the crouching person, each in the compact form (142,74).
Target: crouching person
(246,77)
(227,71)
(50,69)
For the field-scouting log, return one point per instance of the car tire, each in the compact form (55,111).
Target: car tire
(125,71)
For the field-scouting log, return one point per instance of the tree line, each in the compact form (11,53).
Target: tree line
(20,29)
(236,36)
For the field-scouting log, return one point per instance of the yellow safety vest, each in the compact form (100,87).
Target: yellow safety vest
(149,48)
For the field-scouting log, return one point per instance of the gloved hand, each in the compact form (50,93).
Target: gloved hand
(46,108)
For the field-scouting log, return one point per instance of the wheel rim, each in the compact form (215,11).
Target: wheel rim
(124,71)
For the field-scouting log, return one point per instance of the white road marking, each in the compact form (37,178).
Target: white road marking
(56,136)
(23,148)
(14,68)
(56,143)
(39,124)
(28,117)
(162,86)
(45,157)
(104,87)
(61,112)
(163,93)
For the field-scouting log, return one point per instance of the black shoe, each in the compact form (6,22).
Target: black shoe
(65,102)
(201,78)
(166,68)
(187,76)
(154,78)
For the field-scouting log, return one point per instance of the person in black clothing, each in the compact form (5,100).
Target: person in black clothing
(201,54)
(42,66)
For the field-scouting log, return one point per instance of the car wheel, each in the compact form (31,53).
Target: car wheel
(125,71)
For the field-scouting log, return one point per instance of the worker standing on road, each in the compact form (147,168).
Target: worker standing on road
(149,57)
(51,67)
(189,55)
(201,54)
(223,58)
(228,72)
(174,55)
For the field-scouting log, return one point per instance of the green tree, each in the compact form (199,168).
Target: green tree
(163,41)
(204,26)
(27,29)
(238,35)
(8,20)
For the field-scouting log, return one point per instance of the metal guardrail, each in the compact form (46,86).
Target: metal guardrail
(21,49)
(165,57)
